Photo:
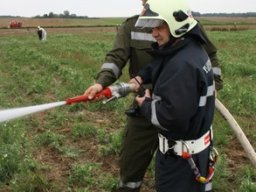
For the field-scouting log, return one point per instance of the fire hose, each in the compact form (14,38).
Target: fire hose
(250,152)
(121,90)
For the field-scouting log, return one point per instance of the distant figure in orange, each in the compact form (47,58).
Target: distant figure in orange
(42,34)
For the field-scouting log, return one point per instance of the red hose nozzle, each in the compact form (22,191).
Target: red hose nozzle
(82,98)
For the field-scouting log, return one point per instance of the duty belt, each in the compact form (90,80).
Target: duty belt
(181,146)
(185,149)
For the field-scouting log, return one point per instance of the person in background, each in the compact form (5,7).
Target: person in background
(140,139)
(42,34)
(182,100)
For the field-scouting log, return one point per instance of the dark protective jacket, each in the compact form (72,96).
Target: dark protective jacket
(182,107)
(40,34)
(131,45)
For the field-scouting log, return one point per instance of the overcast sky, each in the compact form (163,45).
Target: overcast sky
(113,8)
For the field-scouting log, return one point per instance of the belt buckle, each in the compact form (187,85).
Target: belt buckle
(171,145)
(165,145)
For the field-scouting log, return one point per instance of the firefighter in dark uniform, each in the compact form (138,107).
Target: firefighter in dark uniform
(140,139)
(182,100)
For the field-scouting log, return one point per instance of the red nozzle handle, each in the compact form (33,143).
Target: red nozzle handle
(82,98)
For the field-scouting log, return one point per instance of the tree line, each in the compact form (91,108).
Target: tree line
(65,14)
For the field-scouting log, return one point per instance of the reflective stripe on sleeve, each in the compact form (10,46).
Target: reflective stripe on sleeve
(203,99)
(142,36)
(112,67)
(154,119)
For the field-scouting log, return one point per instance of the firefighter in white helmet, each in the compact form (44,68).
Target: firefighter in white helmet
(181,102)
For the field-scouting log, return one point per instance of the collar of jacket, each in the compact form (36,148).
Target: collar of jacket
(169,48)
(196,33)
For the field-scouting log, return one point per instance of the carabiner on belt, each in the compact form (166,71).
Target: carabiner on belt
(186,155)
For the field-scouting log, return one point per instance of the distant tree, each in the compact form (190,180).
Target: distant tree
(51,15)
(73,16)
(66,13)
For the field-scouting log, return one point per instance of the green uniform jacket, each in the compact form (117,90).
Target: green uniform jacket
(131,45)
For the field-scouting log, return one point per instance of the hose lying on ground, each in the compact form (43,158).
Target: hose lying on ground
(250,152)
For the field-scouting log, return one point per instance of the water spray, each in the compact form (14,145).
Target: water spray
(110,93)
(9,114)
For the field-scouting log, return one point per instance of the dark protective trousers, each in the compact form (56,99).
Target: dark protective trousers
(174,174)
(140,141)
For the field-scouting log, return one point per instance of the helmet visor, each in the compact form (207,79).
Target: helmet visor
(149,23)
(148,18)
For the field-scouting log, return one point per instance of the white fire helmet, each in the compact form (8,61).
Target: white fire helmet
(176,13)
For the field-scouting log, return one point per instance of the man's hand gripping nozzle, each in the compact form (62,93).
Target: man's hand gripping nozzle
(111,93)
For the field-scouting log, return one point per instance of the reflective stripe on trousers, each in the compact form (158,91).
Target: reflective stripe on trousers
(131,185)
(208,187)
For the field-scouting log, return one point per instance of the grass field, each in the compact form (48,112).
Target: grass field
(75,148)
